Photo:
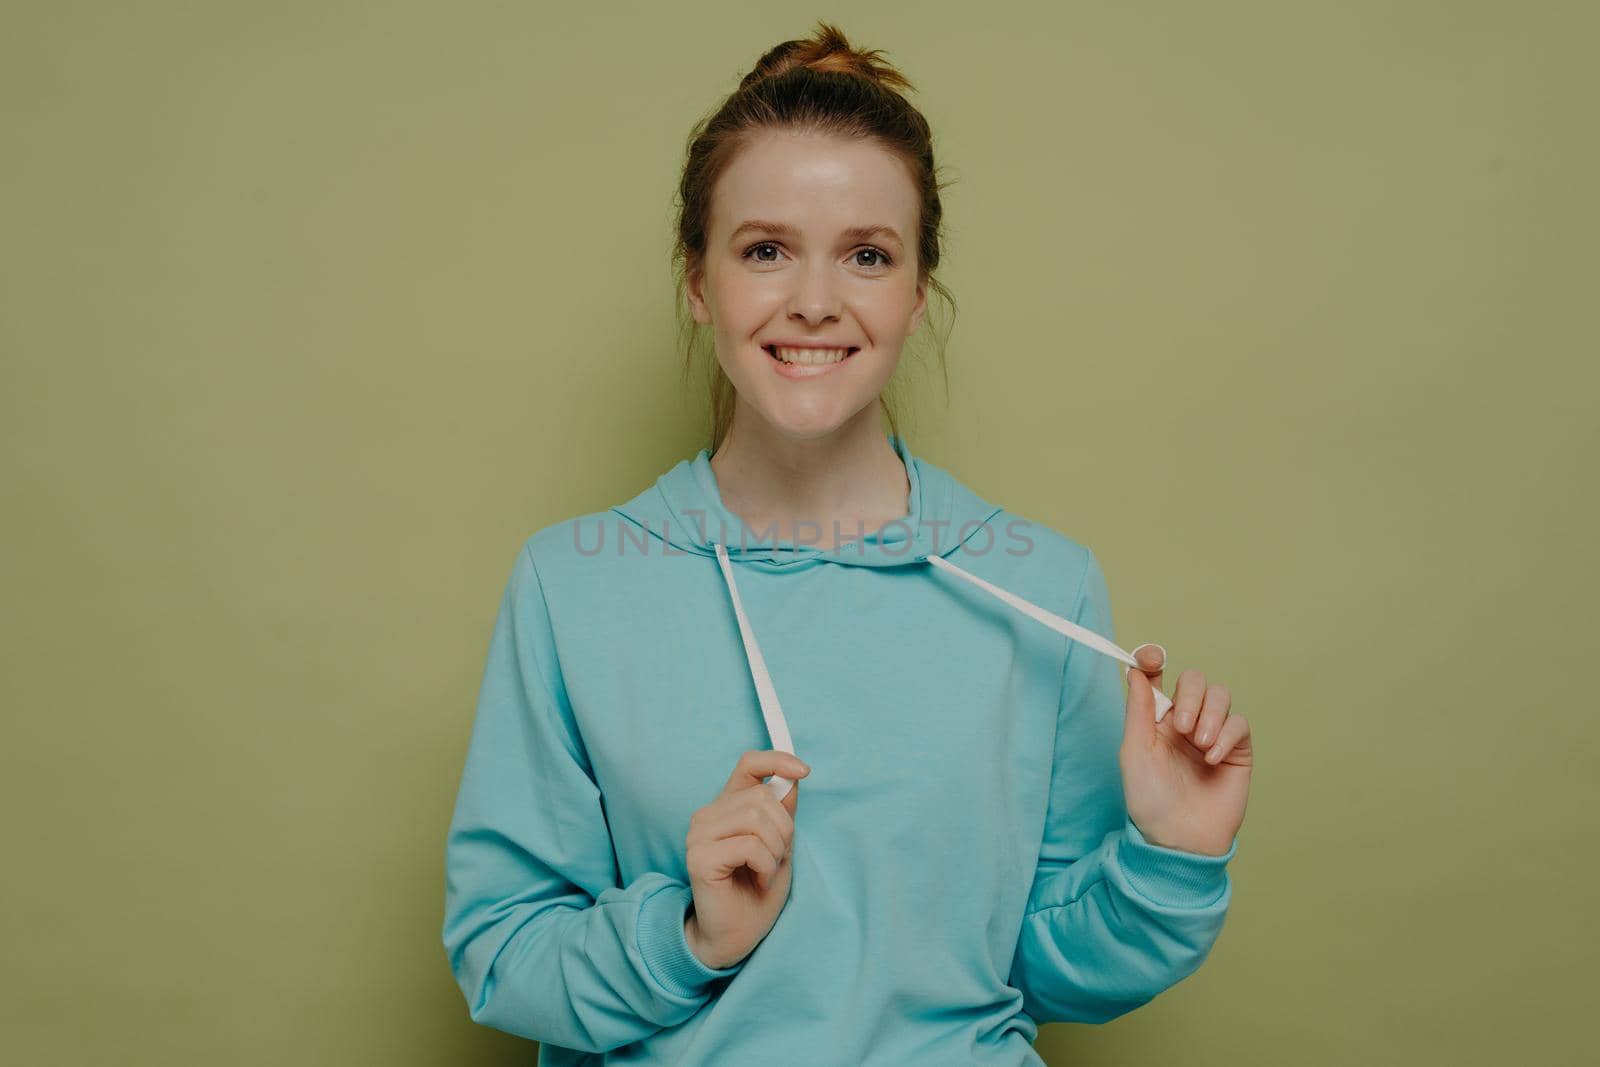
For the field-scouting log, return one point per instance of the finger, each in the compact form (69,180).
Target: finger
(780,787)
(1235,732)
(762,763)
(743,813)
(1139,720)
(749,851)
(716,861)
(782,812)
(1186,700)
(1152,659)
(1213,710)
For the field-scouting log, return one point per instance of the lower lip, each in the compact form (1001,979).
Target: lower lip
(799,370)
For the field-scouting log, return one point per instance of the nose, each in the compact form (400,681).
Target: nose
(815,298)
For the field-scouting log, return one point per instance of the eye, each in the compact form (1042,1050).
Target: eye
(758,259)
(883,257)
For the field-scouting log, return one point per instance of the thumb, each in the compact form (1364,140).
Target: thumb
(1152,659)
(1139,724)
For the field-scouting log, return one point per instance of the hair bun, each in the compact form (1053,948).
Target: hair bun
(826,51)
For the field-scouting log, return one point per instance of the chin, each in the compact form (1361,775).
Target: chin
(811,424)
(803,429)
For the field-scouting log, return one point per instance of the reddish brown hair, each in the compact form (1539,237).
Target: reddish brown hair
(816,85)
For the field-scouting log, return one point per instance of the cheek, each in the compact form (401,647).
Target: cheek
(889,314)
(743,298)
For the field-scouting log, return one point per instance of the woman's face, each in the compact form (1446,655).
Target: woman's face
(812,241)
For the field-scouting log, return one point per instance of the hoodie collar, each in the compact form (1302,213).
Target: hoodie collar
(684,507)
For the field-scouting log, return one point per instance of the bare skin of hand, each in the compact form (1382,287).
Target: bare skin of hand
(1186,778)
(739,848)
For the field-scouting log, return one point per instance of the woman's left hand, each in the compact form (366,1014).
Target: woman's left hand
(1185,778)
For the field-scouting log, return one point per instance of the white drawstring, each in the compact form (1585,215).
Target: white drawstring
(777,726)
(772,712)
(1064,626)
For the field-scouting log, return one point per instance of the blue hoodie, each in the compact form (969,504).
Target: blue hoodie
(964,868)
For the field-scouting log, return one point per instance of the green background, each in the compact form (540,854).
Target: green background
(311,312)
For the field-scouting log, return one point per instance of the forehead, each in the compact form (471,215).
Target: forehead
(814,181)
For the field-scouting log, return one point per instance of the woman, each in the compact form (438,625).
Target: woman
(994,833)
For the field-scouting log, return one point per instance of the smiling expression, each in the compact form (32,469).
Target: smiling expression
(810,278)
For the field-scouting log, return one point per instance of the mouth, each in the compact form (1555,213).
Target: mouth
(809,357)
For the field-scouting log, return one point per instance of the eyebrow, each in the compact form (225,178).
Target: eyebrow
(853,233)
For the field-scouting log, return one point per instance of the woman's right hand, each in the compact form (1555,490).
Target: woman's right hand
(738,858)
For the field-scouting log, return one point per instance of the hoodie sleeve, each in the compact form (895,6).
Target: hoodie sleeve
(1112,920)
(542,940)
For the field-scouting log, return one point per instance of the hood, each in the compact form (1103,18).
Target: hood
(685,508)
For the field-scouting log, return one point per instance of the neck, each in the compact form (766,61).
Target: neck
(822,491)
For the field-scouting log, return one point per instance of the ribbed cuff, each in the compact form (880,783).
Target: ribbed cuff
(1172,877)
(664,948)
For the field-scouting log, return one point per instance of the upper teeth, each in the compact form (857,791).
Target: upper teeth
(811,355)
